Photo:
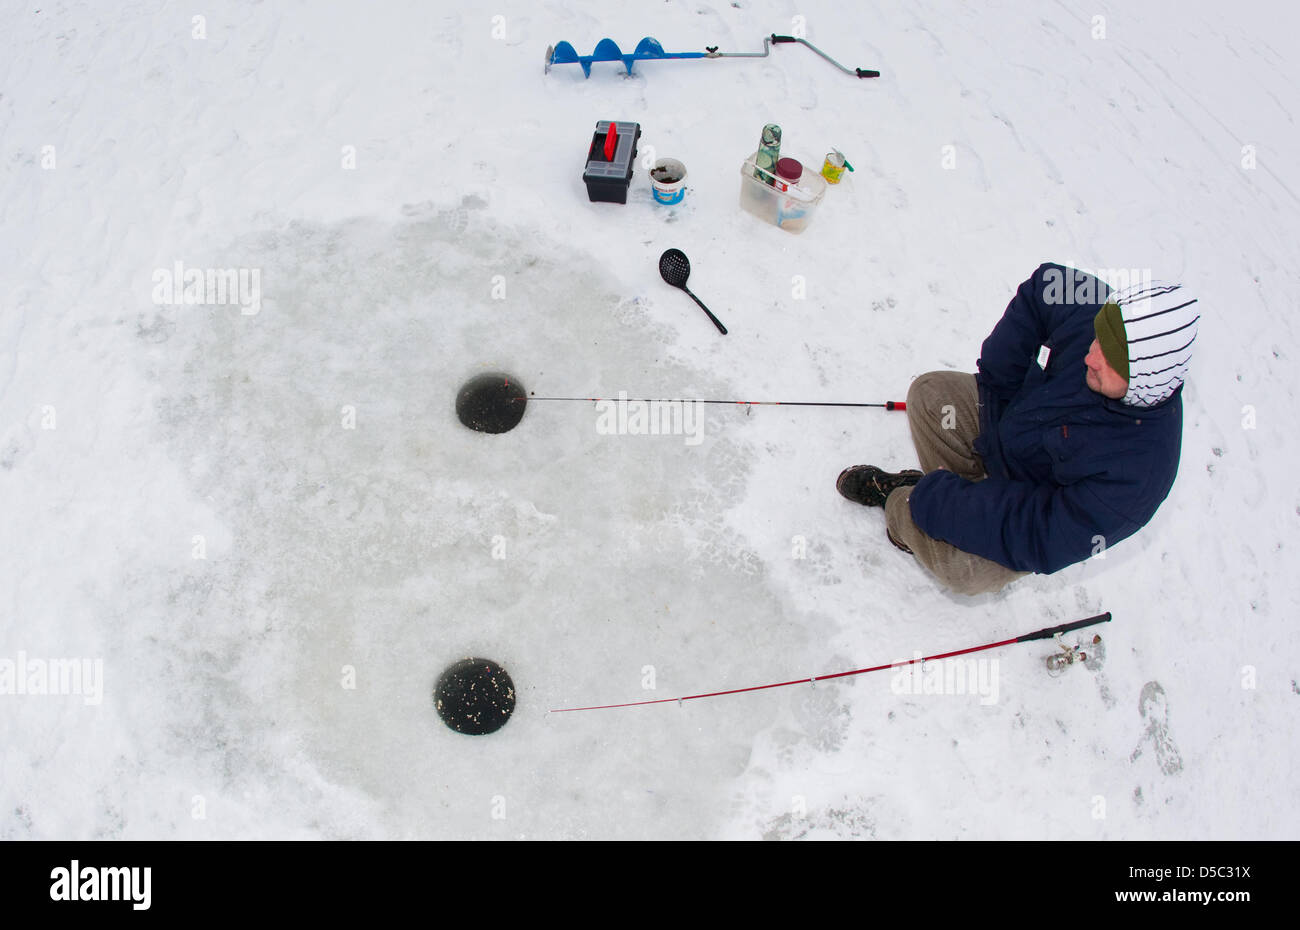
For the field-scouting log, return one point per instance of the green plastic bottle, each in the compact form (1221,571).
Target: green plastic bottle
(769,153)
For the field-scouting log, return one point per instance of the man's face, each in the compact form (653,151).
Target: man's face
(1101,377)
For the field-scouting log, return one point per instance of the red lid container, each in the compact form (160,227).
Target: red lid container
(789,169)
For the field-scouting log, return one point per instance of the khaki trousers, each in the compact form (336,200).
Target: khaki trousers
(943,411)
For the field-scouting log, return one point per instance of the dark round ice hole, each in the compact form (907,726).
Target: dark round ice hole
(474,696)
(491,403)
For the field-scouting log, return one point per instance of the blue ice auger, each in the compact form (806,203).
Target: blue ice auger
(649,49)
(608,50)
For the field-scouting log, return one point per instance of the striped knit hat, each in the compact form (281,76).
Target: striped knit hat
(1146,333)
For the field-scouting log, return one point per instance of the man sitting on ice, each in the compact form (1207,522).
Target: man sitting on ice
(1030,468)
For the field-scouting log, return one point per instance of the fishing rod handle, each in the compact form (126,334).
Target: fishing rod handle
(1065,627)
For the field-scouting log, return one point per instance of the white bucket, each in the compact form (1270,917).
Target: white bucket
(673,186)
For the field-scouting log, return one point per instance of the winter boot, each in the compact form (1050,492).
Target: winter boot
(869,485)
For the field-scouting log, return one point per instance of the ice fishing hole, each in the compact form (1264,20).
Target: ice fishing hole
(491,403)
(474,696)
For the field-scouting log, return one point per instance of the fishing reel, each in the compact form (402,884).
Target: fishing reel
(1058,662)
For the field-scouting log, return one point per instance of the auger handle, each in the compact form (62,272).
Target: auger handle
(860,72)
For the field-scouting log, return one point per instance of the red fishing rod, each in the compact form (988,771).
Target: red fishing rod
(1047,633)
(887,405)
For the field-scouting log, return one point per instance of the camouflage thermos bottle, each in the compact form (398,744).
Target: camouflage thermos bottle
(769,152)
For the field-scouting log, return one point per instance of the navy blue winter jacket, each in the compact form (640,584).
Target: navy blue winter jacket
(1069,471)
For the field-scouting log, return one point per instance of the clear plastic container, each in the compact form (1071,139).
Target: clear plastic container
(789,206)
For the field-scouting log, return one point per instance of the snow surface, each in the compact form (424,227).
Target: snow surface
(127,428)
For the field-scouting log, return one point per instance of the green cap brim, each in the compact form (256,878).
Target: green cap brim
(1109,324)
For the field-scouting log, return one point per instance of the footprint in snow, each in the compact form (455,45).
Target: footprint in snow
(1155,711)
